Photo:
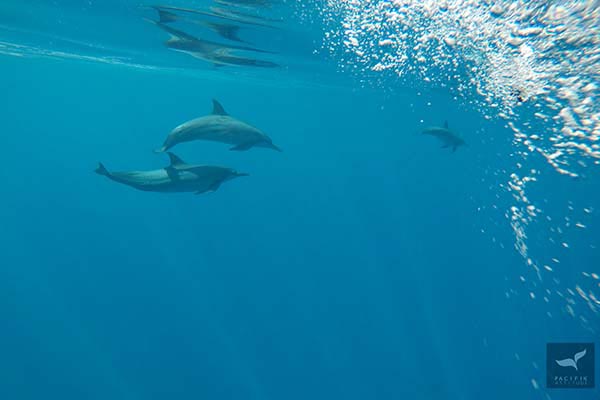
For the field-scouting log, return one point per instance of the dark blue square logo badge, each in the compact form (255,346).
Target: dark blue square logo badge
(570,365)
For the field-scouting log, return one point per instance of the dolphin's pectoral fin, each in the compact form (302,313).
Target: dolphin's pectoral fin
(445,146)
(454,148)
(211,188)
(446,124)
(242,146)
(214,186)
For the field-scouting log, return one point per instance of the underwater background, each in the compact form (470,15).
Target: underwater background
(363,261)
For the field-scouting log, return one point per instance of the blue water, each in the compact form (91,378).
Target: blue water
(353,265)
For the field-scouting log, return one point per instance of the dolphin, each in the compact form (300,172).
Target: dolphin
(177,177)
(218,127)
(446,136)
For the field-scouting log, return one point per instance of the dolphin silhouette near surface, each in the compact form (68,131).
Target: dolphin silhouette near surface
(218,127)
(226,30)
(183,41)
(448,138)
(225,15)
(218,54)
(176,178)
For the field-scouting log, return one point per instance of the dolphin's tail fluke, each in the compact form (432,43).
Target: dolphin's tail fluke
(101,170)
(161,149)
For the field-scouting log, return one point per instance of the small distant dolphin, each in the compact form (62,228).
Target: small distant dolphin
(446,136)
(218,127)
(177,177)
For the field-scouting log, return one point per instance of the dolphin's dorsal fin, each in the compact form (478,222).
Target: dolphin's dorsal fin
(445,124)
(218,108)
(165,16)
(175,161)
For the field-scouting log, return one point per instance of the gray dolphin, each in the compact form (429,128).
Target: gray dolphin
(446,136)
(177,177)
(218,127)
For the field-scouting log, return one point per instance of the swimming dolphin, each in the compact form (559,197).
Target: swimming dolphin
(446,136)
(177,177)
(218,127)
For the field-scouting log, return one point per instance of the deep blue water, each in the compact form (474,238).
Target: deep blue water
(350,266)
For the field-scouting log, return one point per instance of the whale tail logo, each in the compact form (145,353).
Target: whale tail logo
(572,362)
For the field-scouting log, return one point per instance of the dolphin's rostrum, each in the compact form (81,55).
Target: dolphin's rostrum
(177,177)
(446,136)
(219,127)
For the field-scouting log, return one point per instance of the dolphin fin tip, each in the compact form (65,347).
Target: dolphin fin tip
(101,169)
(165,16)
(218,108)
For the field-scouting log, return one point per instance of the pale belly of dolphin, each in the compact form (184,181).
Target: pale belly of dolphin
(162,181)
(218,128)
